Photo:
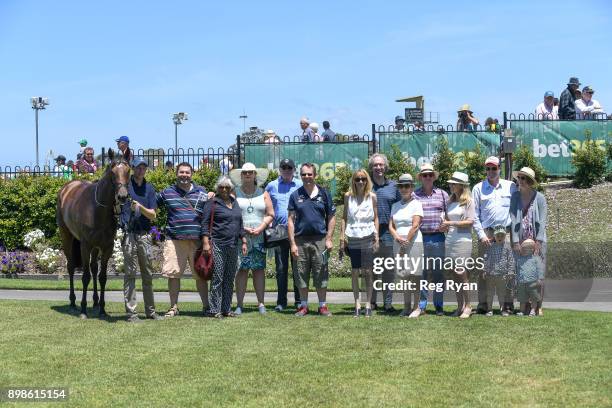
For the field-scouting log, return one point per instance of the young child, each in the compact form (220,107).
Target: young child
(529,279)
(499,262)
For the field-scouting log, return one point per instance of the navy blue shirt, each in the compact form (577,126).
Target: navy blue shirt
(145,195)
(328,136)
(227,222)
(311,214)
(386,195)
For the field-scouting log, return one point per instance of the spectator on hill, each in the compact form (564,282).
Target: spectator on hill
(270,137)
(466,121)
(547,109)
(587,107)
(418,126)
(307,133)
(328,135)
(61,169)
(169,166)
(226,165)
(567,105)
(87,164)
(83,145)
(399,123)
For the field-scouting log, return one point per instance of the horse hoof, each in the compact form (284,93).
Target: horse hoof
(83,316)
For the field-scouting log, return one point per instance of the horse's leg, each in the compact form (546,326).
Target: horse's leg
(105,255)
(85,256)
(93,267)
(67,243)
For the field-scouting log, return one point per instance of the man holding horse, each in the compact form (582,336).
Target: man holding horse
(136,217)
(185,203)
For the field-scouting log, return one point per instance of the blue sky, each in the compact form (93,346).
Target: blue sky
(122,68)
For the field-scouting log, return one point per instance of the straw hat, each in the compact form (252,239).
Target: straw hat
(405,179)
(459,178)
(527,172)
(427,168)
(465,107)
(261,174)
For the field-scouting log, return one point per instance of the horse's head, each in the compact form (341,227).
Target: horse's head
(120,169)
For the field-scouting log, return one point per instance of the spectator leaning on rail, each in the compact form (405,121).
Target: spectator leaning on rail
(434,202)
(223,242)
(184,202)
(61,169)
(466,121)
(587,107)
(312,218)
(280,191)
(307,133)
(87,163)
(136,217)
(491,199)
(567,104)
(547,109)
(399,123)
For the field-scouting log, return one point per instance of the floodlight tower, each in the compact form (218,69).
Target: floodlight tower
(178,119)
(38,103)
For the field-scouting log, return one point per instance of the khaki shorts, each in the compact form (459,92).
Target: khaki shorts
(310,262)
(177,253)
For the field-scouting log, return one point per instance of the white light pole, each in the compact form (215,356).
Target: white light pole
(38,103)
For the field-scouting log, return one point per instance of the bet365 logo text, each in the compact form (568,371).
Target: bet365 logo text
(562,149)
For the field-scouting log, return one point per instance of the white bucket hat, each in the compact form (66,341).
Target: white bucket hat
(261,174)
(459,178)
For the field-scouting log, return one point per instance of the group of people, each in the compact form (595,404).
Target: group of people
(382,219)
(573,104)
(86,161)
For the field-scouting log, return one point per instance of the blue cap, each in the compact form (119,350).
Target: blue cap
(549,93)
(123,139)
(138,161)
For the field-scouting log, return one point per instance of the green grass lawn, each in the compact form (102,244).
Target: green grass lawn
(561,359)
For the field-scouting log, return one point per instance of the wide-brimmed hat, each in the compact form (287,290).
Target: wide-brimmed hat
(427,168)
(573,81)
(465,107)
(405,179)
(459,178)
(261,177)
(527,172)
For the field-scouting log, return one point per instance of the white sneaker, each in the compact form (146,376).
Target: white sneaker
(415,313)
(238,311)
(278,308)
(532,313)
(262,309)
(489,314)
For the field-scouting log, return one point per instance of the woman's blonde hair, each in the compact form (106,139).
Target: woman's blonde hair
(465,198)
(368,185)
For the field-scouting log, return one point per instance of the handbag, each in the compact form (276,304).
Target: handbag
(203,264)
(275,236)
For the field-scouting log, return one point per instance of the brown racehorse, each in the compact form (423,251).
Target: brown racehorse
(86,216)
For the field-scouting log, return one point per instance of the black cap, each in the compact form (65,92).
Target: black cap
(287,162)
(60,157)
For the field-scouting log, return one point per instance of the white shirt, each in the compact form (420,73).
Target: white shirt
(585,110)
(360,218)
(542,112)
(402,213)
(491,205)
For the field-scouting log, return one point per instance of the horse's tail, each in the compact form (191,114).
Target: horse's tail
(76,253)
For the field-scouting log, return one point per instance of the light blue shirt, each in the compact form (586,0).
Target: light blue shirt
(491,205)
(279,194)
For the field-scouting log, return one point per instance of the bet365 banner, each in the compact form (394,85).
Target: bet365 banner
(420,147)
(326,157)
(553,142)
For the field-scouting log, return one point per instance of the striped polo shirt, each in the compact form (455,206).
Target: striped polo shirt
(184,220)
(434,208)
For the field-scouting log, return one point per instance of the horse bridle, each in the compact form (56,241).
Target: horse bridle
(116,205)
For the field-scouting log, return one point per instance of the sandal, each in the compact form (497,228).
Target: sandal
(173,311)
(467,312)
(229,314)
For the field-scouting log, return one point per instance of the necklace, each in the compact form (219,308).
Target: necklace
(250,208)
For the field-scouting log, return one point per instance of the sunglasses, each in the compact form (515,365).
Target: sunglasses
(491,168)
(427,175)
(360,180)
(248,172)
(404,186)
(225,188)
(286,168)
(306,174)
(522,177)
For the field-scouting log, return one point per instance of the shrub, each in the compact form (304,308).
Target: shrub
(343,183)
(474,165)
(443,162)
(399,163)
(524,157)
(590,163)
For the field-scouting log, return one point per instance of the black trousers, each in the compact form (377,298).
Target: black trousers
(282,258)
